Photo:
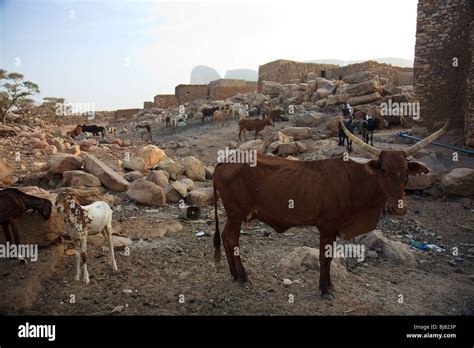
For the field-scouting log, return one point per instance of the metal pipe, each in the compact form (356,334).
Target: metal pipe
(405,135)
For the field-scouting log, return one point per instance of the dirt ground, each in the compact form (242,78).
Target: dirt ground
(175,274)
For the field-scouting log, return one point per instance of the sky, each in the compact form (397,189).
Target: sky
(117,54)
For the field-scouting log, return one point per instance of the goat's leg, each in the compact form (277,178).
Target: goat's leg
(77,245)
(372,138)
(108,230)
(84,258)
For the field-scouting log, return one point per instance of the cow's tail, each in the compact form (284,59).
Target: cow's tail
(217,234)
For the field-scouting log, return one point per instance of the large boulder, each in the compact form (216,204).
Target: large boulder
(201,196)
(135,163)
(459,182)
(152,155)
(171,167)
(298,133)
(108,177)
(193,168)
(271,88)
(62,162)
(146,193)
(159,177)
(421,182)
(175,192)
(308,119)
(134,175)
(363,88)
(364,99)
(324,83)
(391,89)
(321,93)
(303,259)
(333,125)
(188,183)
(393,251)
(33,228)
(360,76)
(256,145)
(279,136)
(288,149)
(80,178)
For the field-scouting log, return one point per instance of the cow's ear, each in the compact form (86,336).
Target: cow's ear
(372,166)
(415,168)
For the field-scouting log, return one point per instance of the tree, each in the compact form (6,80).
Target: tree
(13,91)
(27,109)
(54,108)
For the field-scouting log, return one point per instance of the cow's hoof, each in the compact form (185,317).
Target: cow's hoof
(328,296)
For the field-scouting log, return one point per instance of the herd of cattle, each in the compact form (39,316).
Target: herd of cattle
(341,198)
(254,119)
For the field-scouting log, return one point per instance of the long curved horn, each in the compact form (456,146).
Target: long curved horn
(359,142)
(422,143)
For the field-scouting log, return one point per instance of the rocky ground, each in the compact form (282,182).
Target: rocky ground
(165,268)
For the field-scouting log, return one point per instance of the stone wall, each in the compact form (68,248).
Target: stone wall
(287,71)
(163,101)
(444,36)
(225,88)
(187,93)
(389,72)
(125,113)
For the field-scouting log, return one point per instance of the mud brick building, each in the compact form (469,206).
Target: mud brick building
(225,88)
(125,113)
(444,63)
(163,101)
(187,93)
(148,104)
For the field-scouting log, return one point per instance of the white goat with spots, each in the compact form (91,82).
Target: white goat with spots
(81,221)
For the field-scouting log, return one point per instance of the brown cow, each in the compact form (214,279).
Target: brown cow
(75,132)
(341,198)
(256,125)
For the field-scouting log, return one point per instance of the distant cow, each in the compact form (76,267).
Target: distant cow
(208,112)
(256,125)
(75,132)
(340,197)
(94,129)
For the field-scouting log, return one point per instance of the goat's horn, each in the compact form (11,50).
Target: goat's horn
(422,143)
(359,142)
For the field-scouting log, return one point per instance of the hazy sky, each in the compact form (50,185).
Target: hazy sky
(116,54)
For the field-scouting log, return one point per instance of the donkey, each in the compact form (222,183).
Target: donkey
(81,221)
(13,204)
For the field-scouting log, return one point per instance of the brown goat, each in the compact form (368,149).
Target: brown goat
(256,125)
